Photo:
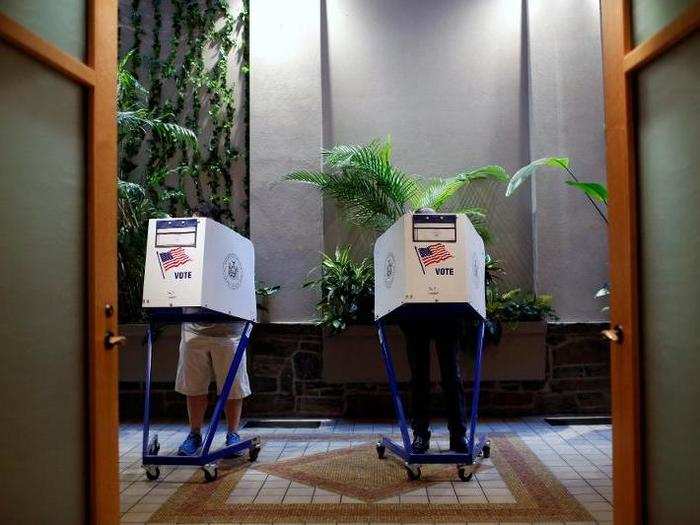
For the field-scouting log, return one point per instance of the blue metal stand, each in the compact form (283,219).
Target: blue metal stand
(205,459)
(476,447)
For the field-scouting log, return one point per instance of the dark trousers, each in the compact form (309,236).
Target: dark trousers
(447,344)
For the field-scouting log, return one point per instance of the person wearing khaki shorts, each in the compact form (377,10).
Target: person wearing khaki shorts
(206,352)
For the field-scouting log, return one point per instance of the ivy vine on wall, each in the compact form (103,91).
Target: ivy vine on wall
(192,57)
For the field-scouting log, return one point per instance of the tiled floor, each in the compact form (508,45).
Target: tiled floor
(579,456)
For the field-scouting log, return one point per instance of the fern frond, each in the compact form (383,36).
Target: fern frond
(435,193)
(170,132)
(484,172)
(317,178)
(128,87)
(477,216)
(167,132)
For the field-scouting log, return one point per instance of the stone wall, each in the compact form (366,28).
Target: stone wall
(285,367)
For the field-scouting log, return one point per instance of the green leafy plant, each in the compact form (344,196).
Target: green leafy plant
(189,80)
(512,307)
(595,192)
(373,193)
(135,119)
(515,305)
(347,290)
(135,209)
(135,205)
(263,292)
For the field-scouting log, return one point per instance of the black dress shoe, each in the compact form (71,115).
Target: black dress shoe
(421,443)
(459,444)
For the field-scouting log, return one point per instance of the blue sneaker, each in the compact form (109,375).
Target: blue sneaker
(231,439)
(191,445)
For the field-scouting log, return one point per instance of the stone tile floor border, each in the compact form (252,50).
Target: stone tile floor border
(580,457)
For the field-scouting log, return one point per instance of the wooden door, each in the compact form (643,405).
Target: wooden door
(651,62)
(58,269)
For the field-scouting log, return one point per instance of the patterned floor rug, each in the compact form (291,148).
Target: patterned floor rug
(373,486)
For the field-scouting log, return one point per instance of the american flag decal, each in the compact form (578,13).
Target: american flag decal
(433,254)
(173,258)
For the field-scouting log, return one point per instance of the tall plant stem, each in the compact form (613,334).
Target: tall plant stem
(593,203)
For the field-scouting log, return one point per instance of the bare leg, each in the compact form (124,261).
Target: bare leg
(196,407)
(233,414)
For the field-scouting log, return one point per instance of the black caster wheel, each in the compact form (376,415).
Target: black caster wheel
(381,451)
(413,472)
(210,473)
(462,473)
(253,453)
(486,451)
(152,472)
(153,446)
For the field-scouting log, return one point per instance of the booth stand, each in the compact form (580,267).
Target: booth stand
(197,271)
(477,446)
(431,267)
(206,459)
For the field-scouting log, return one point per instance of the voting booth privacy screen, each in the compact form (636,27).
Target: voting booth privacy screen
(428,259)
(197,262)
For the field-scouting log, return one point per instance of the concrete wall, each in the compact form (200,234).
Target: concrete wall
(286,220)
(457,83)
(566,119)
(444,80)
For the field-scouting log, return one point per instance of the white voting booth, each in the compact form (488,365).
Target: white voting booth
(197,262)
(427,259)
(197,270)
(427,268)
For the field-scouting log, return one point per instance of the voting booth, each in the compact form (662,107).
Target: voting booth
(200,271)
(429,260)
(431,267)
(199,263)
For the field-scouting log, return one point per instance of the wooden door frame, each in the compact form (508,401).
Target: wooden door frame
(621,60)
(97,74)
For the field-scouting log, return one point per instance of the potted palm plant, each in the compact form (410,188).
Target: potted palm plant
(372,192)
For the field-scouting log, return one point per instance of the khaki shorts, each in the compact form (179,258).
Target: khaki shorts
(203,359)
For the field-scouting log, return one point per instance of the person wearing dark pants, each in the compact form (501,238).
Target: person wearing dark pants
(446,335)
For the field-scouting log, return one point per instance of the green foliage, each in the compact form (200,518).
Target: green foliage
(262,292)
(346,290)
(202,94)
(493,270)
(135,209)
(593,191)
(515,306)
(135,119)
(135,203)
(531,169)
(372,193)
(604,293)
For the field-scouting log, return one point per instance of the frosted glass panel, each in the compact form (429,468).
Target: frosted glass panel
(61,22)
(669,210)
(42,294)
(649,16)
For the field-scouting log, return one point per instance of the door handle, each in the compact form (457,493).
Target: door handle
(614,334)
(112,340)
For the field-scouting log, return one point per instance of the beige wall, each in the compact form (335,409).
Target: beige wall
(566,119)
(286,220)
